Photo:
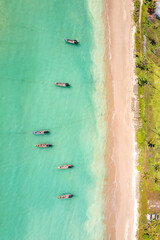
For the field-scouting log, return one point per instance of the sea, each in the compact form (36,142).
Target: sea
(34,55)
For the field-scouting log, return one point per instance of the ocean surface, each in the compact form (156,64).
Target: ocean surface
(33,55)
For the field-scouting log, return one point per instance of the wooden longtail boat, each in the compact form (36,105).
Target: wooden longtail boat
(62,84)
(41,132)
(65,196)
(71,41)
(44,145)
(65,166)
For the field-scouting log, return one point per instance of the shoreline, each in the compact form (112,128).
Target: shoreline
(121,151)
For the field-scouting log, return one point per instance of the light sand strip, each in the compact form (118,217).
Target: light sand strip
(121,191)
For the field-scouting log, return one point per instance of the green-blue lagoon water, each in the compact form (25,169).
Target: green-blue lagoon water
(33,55)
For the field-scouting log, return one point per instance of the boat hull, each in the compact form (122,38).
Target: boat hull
(62,84)
(41,132)
(65,166)
(66,196)
(44,145)
(71,41)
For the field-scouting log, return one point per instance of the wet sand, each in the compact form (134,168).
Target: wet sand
(121,190)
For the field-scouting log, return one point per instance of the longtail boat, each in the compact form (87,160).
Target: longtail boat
(44,145)
(62,84)
(65,166)
(41,132)
(65,196)
(71,41)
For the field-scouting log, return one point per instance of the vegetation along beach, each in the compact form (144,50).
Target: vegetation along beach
(147,43)
(80,120)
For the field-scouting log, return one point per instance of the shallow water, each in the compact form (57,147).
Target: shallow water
(33,57)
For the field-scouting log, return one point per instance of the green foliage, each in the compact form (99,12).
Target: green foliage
(141,136)
(137,40)
(141,63)
(146,237)
(142,81)
(148,134)
(147,1)
(157,166)
(151,6)
(139,167)
(152,231)
(136,10)
(151,142)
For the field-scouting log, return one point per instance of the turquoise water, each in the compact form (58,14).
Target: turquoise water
(33,56)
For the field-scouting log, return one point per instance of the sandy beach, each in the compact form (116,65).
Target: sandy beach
(121,191)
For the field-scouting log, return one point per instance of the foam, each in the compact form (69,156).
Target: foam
(96,211)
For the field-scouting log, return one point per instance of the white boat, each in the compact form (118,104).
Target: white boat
(65,166)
